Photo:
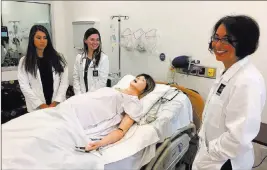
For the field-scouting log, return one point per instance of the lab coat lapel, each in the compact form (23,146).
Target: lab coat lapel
(223,79)
(92,63)
(55,84)
(213,88)
(54,73)
(83,65)
(81,72)
(40,85)
(234,69)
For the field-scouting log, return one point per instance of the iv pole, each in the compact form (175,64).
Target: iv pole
(119,37)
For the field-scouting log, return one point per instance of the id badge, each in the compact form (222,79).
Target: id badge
(95,73)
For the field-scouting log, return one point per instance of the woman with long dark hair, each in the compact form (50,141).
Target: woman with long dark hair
(92,66)
(42,73)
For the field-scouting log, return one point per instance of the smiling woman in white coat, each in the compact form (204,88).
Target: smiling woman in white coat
(42,73)
(232,115)
(91,68)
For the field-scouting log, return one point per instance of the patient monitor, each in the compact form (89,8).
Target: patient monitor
(4,35)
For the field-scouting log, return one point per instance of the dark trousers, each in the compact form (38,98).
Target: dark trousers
(227,165)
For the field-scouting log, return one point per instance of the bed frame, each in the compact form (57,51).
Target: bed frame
(173,151)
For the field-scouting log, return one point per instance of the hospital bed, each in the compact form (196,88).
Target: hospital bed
(171,150)
(173,126)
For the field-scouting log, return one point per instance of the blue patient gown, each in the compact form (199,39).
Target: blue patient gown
(100,112)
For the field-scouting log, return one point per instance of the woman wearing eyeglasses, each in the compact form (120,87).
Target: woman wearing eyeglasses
(91,68)
(232,115)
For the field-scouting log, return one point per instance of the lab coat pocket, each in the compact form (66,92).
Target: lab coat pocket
(56,81)
(203,160)
(215,109)
(35,82)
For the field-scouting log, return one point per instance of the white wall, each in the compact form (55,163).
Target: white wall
(185,29)
(60,34)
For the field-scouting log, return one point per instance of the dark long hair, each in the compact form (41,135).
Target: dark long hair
(30,62)
(244,29)
(150,84)
(97,52)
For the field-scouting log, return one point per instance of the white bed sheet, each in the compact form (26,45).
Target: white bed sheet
(60,153)
(51,135)
(45,139)
(137,138)
(172,116)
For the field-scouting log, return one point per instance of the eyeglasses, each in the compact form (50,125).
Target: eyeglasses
(224,40)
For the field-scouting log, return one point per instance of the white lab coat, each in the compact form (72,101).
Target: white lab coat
(32,88)
(231,119)
(94,83)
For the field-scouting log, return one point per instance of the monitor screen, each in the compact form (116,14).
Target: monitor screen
(4,34)
(4,31)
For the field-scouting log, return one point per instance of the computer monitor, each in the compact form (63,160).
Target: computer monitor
(4,34)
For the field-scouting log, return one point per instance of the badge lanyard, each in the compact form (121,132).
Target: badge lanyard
(95,72)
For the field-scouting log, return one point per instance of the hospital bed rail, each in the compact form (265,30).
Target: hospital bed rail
(164,151)
(196,100)
(165,148)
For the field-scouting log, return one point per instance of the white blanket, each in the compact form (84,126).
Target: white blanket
(45,139)
(173,115)
(136,139)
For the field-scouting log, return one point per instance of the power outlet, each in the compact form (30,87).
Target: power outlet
(193,72)
(200,71)
(210,72)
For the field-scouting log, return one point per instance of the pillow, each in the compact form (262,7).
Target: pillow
(124,82)
(150,99)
